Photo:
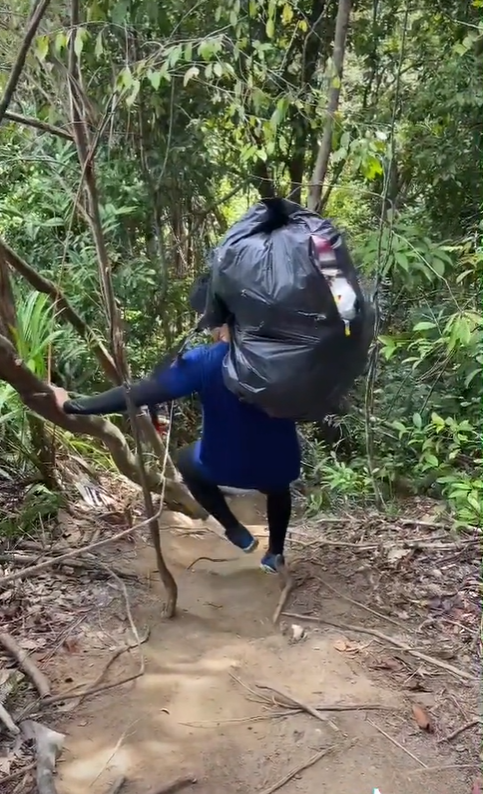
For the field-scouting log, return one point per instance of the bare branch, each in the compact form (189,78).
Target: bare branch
(66,310)
(39,398)
(32,26)
(29,121)
(86,155)
(323,155)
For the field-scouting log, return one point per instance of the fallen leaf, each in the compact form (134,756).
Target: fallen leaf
(422,718)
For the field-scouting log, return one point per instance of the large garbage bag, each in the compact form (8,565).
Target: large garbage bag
(300,327)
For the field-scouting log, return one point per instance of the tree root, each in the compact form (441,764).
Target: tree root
(424,657)
(48,746)
(39,680)
(37,396)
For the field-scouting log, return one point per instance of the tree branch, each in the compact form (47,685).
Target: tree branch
(323,155)
(39,398)
(29,121)
(65,310)
(86,154)
(32,26)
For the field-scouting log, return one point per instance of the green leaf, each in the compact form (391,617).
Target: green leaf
(80,36)
(125,78)
(61,41)
(397,425)
(270,28)
(154,78)
(417,421)
(401,260)
(119,12)
(205,49)
(438,266)
(424,325)
(99,48)
(136,85)
(218,69)
(42,47)
(192,72)
(188,52)
(432,460)
(339,155)
(287,14)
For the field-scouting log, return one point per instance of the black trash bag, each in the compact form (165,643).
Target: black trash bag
(300,327)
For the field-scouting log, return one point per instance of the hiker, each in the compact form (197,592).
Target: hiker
(240,445)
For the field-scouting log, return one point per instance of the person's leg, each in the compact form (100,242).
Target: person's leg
(210,497)
(279,510)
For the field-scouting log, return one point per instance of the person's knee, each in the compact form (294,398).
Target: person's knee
(185,461)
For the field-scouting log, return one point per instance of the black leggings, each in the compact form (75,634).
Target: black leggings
(210,497)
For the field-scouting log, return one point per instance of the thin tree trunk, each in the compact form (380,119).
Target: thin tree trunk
(323,156)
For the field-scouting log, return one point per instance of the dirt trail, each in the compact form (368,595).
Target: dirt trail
(188,715)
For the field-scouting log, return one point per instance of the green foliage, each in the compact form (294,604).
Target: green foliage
(39,506)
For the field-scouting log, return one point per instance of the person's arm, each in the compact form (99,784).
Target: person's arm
(181,379)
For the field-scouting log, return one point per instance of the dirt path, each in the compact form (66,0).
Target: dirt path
(187,714)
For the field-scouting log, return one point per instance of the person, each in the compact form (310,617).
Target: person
(240,445)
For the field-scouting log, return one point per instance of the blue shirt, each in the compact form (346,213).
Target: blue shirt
(240,446)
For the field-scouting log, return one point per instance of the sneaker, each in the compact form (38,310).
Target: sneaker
(271,563)
(242,538)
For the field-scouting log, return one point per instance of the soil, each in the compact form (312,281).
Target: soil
(192,712)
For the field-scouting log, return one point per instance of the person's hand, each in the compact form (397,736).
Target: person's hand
(61,396)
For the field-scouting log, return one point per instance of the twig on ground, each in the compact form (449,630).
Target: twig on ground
(293,772)
(91,689)
(39,680)
(15,775)
(356,603)
(117,785)
(397,744)
(289,711)
(442,767)
(455,733)
(459,673)
(8,721)
(43,566)
(410,544)
(48,746)
(210,559)
(289,585)
(140,641)
(291,702)
(176,785)
(115,750)
(84,565)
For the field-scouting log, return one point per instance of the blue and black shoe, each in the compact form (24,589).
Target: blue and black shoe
(242,538)
(271,563)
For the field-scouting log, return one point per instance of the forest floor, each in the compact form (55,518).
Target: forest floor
(379,652)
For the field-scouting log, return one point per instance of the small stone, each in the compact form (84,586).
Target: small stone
(298,632)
